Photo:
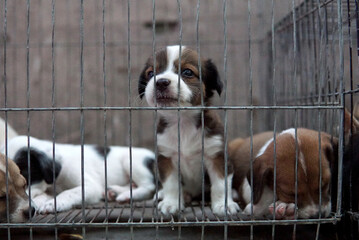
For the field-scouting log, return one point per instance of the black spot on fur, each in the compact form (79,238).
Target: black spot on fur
(41,166)
(211,79)
(103,151)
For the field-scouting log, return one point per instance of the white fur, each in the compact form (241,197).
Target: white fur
(11,133)
(261,208)
(185,93)
(313,210)
(68,182)
(246,191)
(264,148)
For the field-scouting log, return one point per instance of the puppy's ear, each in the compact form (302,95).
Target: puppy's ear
(262,176)
(142,82)
(40,165)
(211,79)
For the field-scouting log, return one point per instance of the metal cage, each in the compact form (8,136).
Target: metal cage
(70,70)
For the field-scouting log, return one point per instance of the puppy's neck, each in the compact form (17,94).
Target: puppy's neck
(172,116)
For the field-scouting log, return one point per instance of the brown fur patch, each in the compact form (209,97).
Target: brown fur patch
(16,188)
(165,167)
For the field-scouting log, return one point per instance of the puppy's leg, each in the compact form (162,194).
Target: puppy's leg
(114,191)
(72,197)
(169,178)
(261,207)
(218,187)
(144,181)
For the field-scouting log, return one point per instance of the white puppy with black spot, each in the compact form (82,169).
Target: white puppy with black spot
(178,81)
(61,164)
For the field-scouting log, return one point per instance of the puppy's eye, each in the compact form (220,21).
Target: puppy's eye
(187,73)
(150,74)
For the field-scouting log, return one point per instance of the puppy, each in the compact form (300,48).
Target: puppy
(263,173)
(19,210)
(173,70)
(66,165)
(10,132)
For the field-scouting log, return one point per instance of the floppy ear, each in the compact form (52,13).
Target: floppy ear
(40,165)
(262,175)
(142,83)
(211,79)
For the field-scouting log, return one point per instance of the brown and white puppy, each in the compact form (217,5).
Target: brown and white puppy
(308,152)
(173,70)
(18,200)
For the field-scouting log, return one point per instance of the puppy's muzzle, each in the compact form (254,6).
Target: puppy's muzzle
(162,84)
(29,212)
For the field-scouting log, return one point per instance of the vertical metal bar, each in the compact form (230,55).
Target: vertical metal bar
(179,119)
(82,118)
(53,97)
(202,117)
(225,120)
(105,105)
(6,127)
(320,171)
(28,98)
(295,120)
(129,104)
(274,115)
(68,71)
(155,112)
(251,111)
(341,130)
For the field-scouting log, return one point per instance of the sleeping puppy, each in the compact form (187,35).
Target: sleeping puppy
(19,210)
(171,68)
(67,170)
(263,173)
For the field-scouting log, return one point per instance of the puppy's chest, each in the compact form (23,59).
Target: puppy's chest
(188,139)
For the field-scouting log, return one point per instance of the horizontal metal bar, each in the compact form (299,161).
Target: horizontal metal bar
(122,43)
(172,223)
(169,108)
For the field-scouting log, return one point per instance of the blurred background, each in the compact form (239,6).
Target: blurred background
(298,65)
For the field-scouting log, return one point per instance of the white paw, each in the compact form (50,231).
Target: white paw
(247,210)
(169,206)
(124,197)
(220,210)
(49,207)
(160,195)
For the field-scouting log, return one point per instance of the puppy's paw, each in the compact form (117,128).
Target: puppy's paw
(124,197)
(160,195)
(220,210)
(282,210)
(248,209)
(169,206)
(115,191)
(111,195)
(49,207)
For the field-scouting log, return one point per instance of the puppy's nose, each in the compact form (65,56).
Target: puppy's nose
(162,84)
(29,211)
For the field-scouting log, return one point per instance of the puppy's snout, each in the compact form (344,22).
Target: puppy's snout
(29,211)
(162,84)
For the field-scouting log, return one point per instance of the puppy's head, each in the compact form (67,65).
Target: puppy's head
(178,77)
(309,167)
(19,210)
(41,164)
